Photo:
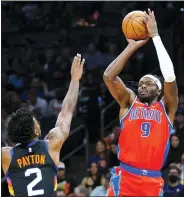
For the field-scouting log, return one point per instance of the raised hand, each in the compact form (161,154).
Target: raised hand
(151,23)
(77,67)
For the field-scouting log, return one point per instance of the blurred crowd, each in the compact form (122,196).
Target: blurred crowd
(39,41)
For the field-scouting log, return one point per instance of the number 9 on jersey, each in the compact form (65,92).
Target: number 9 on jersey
(145,128)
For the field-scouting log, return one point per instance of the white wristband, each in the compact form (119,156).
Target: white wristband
(166,65)
(156,39)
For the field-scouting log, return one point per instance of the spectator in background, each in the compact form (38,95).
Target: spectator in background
(181,166)
(55,105)
(93,57)
(104,97)
(65,183)
(102,190)
(101,156)
(36,84)
(110,55)
(40,87)
(15,100)
(179,118)
(61,172)
(16,78)
(84,102)
(180,69)
(46,91)
(94,178)
(181,101)
(60,192)
(49,60)
(24,104)
(114,136)
(81,191)
(175,151)
(11,101)
(113,158)
(173,188)
(37,105)
(61,186)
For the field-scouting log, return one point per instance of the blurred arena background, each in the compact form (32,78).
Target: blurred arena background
(39,40)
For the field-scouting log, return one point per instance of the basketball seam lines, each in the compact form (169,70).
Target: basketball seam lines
(128,21)
(134,30)
(138,22)
(127,25)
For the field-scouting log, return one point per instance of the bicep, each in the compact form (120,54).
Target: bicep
(170,98)
(123,95)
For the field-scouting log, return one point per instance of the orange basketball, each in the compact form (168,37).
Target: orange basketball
(134,27)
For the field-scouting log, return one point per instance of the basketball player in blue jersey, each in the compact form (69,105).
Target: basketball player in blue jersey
(31,165)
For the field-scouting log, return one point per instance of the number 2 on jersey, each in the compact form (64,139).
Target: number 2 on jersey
(145,128)
(38,178)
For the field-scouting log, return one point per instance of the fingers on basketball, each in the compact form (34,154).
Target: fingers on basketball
(144,21)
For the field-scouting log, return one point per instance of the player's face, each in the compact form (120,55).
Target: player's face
(37,128)
(148,90)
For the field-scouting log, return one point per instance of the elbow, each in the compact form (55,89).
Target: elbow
(108,77)
(105,76)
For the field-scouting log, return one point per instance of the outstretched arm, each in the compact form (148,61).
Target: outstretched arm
(117,88)
(170,98)
(61,131)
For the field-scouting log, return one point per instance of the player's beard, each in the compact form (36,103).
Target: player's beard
(146,99)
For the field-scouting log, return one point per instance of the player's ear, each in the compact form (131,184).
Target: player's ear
(36,132)
(159,92)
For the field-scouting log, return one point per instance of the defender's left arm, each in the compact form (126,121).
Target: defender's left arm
(170,98)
